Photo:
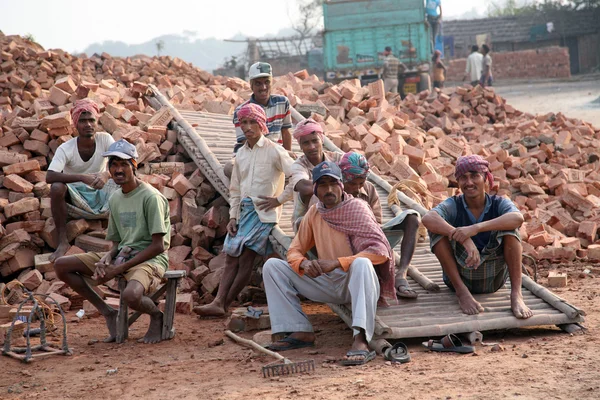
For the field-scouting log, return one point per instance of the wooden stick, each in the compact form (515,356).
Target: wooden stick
(552,299)
(256,346)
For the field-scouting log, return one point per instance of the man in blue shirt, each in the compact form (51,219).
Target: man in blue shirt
(475,237)
(434,18)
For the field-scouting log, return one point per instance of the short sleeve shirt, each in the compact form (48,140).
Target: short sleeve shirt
(68,160)
(431,7)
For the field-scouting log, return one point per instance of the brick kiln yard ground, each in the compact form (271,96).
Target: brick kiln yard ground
(200,363)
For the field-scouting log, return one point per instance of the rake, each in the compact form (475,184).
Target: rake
(275,369)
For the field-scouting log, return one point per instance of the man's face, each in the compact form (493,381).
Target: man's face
(329,191)
(312,146)
(472,184)
(261,87)
(86,126)
(251,128)
(121,171)
(352,187)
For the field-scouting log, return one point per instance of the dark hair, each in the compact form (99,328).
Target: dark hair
(113,158)
(388,48)
(485,48)
(474,48)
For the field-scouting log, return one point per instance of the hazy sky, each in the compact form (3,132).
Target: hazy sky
(73,25)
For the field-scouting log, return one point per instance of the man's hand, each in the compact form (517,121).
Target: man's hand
(108,273)
(311,268)
(101,266)
(473,258)
(292,154)
(462,234)
(89,179)
(267,203)
(329,265)
(232,227)
(100,180)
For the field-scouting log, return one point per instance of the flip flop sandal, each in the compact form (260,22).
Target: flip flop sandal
(450,344)
(367,356)
(403,283)
(397,354)
(293,344)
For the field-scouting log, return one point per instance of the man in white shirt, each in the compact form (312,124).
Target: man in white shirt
(258,172)
(473,70)
(78,174)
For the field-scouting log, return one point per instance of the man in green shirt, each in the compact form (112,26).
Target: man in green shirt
(140,230)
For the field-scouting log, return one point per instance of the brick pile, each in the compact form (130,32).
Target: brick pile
(37,90)
(546,62)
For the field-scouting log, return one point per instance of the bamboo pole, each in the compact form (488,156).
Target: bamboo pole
(552,299)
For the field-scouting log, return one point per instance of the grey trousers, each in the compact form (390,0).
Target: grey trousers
(359,286)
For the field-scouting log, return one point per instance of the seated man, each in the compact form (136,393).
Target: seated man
(355,169)
(309,135)
(258,172)
(350,243)
(475,237)
(139,222)
(77,174)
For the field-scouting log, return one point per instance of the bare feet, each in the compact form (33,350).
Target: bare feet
(111,324)
(210,310)
(468,304)
(519,309)
(60,251)
(154,334)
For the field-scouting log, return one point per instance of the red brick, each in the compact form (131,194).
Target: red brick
(22,167)
(31,279)
(21,207)
(90,243)
(181,184)
(58,96)
(184,303)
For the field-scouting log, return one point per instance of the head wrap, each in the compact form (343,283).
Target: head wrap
(81,106)
(254,112)
(354,165)
(307,127)
(473,163)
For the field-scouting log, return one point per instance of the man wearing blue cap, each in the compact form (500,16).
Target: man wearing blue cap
(140,229)
(355,260)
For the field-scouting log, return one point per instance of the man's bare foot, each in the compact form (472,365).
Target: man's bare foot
(210,310)
(111,324)
(154,334)
(468,304)
(519,309)
(60,251)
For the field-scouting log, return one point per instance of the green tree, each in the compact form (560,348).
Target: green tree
(160,45)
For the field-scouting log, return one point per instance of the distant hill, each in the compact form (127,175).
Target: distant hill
(207,54)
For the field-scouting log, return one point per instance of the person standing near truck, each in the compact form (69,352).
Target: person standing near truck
(433,11)
(390,71)
(439,70)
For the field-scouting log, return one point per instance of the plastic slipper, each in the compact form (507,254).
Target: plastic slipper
(449,343)
(367,356)
(293,344)
(398,353)
(403,289)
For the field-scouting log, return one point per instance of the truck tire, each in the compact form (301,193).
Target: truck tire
(424,82)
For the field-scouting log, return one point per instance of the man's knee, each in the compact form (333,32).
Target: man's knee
(133,293)
(65,265)
(411,222)
(272,266)
(228,169)
(58,190)
(361,265)
(511,241)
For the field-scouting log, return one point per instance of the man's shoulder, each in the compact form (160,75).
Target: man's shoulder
(68,145)
(277,99)
(333,156)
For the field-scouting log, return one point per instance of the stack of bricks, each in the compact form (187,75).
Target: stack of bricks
(37,90)
(546,62)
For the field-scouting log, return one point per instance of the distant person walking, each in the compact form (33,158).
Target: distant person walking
(486,67)
(433,11)
(439,70)
(391,67)
(473,69)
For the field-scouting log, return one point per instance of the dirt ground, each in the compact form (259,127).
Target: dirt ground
(201,363)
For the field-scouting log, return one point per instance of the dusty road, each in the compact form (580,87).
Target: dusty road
(575,99)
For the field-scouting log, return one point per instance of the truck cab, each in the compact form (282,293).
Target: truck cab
(356,33)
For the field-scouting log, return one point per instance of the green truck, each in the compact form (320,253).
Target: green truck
(357,32)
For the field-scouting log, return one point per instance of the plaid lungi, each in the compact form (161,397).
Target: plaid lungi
(252,233)
(87,202)
(492,272)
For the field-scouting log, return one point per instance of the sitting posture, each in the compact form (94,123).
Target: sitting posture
(475,237)
(354,262)
(139,225)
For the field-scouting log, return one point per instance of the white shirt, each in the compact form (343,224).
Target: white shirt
(474,66)
(68,160)
(259,171)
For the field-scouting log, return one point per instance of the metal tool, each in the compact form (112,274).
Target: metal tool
(275,369)
(253,312)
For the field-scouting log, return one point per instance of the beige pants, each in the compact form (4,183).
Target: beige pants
(390,85)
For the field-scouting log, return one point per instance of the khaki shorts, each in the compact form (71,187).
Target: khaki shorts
(147,274)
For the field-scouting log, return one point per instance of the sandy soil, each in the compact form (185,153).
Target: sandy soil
(200,363)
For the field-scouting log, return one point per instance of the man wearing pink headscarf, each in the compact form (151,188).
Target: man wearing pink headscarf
(258,172)
(78,174)
(309,135)
(475,237)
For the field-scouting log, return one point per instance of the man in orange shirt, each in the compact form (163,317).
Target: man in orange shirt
(355,261)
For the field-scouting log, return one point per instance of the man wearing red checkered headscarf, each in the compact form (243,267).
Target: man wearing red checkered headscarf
(78,174)
(475,237)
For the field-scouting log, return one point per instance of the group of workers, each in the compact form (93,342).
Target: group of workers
(340,253)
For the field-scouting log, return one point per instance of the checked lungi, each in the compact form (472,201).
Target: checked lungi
(252,233)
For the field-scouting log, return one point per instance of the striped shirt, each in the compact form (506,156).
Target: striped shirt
(278,117)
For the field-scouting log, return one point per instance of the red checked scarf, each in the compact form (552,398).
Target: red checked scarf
(354,218)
